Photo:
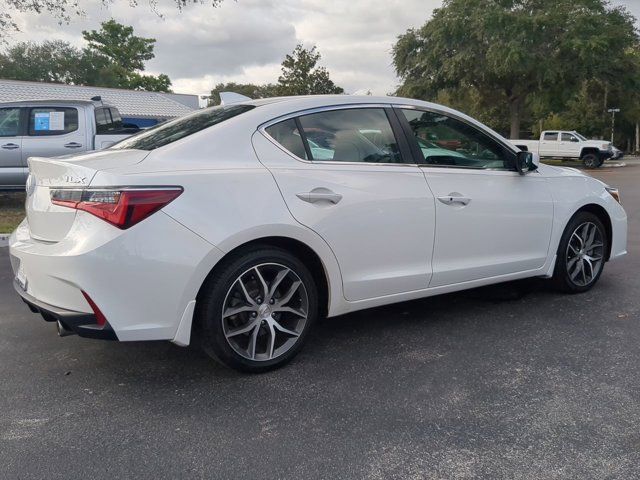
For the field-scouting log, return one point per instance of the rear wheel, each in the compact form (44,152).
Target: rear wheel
(255,313)
(581,254)
(591,160)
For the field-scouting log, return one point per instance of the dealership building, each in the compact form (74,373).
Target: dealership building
(143,109)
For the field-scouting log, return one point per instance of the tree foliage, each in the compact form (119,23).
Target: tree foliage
(119,45)
(522,55)
(51,61)
(301,75)
(113,57)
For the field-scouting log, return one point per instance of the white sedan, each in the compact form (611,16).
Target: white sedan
(238,226)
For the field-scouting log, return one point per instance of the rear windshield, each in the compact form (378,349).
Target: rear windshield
(169,132)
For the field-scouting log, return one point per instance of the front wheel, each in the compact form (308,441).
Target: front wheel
(581,254)
(256,311)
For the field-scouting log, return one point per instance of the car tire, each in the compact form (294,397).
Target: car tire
(581,254)
(243,316)
(591,160)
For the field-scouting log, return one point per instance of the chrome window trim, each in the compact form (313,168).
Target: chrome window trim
(349,106)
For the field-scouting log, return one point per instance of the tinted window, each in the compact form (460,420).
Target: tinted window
(9,122)
(551,136)
(287,134)
(351,135)
(446,141)
(170,132)
(52,121)
(106,122)
(567,137)
(101,120)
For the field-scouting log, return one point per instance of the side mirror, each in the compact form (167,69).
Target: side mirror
(527,162)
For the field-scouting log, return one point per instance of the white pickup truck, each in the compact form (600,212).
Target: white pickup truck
(50,128)
(568,145)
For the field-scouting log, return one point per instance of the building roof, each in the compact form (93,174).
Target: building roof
(130,103)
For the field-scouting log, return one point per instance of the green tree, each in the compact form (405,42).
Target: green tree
(302,76)
(64,10)
(113,57)
(514,51)
(117,43)
(51,61)
(116,57)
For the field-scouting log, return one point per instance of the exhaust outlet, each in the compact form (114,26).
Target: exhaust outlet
(62,330)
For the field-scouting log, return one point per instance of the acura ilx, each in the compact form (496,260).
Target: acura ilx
(239,225)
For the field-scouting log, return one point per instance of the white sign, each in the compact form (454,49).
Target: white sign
(56,120)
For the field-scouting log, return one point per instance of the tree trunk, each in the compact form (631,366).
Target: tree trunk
(514,116)
(637,138)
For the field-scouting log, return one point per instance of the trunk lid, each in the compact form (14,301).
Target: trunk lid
(49,222)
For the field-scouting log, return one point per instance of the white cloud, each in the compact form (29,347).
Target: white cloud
(245,40)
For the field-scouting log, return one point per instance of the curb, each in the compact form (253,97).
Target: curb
(4,239)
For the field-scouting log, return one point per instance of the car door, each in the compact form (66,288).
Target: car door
(569,145)
(490,220)
(549,145)
(12,168)
(54,131)
(344,173)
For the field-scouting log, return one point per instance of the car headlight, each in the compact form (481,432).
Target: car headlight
(606,146)
(615,193)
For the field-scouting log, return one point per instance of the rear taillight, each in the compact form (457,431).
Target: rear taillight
(122,208)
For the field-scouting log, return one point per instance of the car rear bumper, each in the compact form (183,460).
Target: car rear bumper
(141,279)
(81,323)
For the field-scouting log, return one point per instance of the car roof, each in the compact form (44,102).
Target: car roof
(23,103)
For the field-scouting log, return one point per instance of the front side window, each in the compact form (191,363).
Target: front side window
(351,135)
(44,121)
(9,122)
(170,132)
(446,141)
(567,137)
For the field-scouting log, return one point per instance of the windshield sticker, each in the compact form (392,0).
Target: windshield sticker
(49,121)
(42,121)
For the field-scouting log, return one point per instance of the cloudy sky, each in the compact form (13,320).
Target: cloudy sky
(246,40)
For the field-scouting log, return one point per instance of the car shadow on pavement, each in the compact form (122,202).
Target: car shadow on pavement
(348,338)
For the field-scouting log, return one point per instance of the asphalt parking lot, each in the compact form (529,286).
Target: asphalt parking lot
(509,382)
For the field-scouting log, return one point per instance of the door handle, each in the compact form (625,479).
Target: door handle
(320,195)
(72,145)
(10,146)
(454,198)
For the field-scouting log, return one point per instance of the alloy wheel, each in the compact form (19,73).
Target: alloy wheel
(265,312)
(585,254)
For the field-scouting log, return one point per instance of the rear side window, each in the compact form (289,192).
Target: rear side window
(9,122)
(551,136)
(107,122)
(44,121)
(170,132)
(351,135)
(287,134)
(362,135)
